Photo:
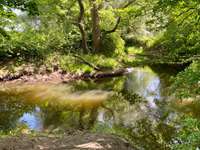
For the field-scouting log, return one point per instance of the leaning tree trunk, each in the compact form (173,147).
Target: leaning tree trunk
(96,32)
(81,26)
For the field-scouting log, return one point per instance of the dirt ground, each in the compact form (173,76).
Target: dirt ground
(84,141)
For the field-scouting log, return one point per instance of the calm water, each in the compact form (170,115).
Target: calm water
(134,106)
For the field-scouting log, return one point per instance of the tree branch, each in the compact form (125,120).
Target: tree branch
(87,63)
(115,27)
(119,18)
(128,4)
(180,15)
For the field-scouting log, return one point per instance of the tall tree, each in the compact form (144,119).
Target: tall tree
(81,25)
(96,31)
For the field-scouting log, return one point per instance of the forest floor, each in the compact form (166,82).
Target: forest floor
(81,141)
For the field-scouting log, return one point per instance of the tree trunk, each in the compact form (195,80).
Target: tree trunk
(96,32)
(81,26)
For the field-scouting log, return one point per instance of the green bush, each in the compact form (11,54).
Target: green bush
(112,44)
(188,137)
(187,83)
(178,41)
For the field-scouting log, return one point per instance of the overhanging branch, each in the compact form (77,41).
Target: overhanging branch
(128,4)
(115,27)
(119,18)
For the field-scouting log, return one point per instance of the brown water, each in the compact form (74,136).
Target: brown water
(134,106)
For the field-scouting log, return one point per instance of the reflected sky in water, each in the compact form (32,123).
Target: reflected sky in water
(146,83)
(32,120)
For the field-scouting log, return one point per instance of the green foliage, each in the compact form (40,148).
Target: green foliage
(112,44)
(38,27)
(187,83)
(188,137)
(70,63)
(181,24)
(31,44)
(33,29)
(141,136)
(108,19)
(180,41)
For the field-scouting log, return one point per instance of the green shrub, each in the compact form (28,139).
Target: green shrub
(188,137)
(187,83)
(112,44)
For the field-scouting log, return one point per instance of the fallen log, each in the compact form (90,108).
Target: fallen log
(108,74)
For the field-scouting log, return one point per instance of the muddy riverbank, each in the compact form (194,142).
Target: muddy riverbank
(80,141)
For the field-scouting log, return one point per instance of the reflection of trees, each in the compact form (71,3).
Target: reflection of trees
(146,135)
(11,109)
(57,116)
(68,117)
(135,121)
(58,105)
(165,72)
(103,84)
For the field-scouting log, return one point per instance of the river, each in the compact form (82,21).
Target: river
(135,107)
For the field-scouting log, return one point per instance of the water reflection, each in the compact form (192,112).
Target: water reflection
(125,106)
(32,120)
(49,105)
(146,83)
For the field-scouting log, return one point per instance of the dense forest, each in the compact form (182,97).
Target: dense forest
(102,38)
